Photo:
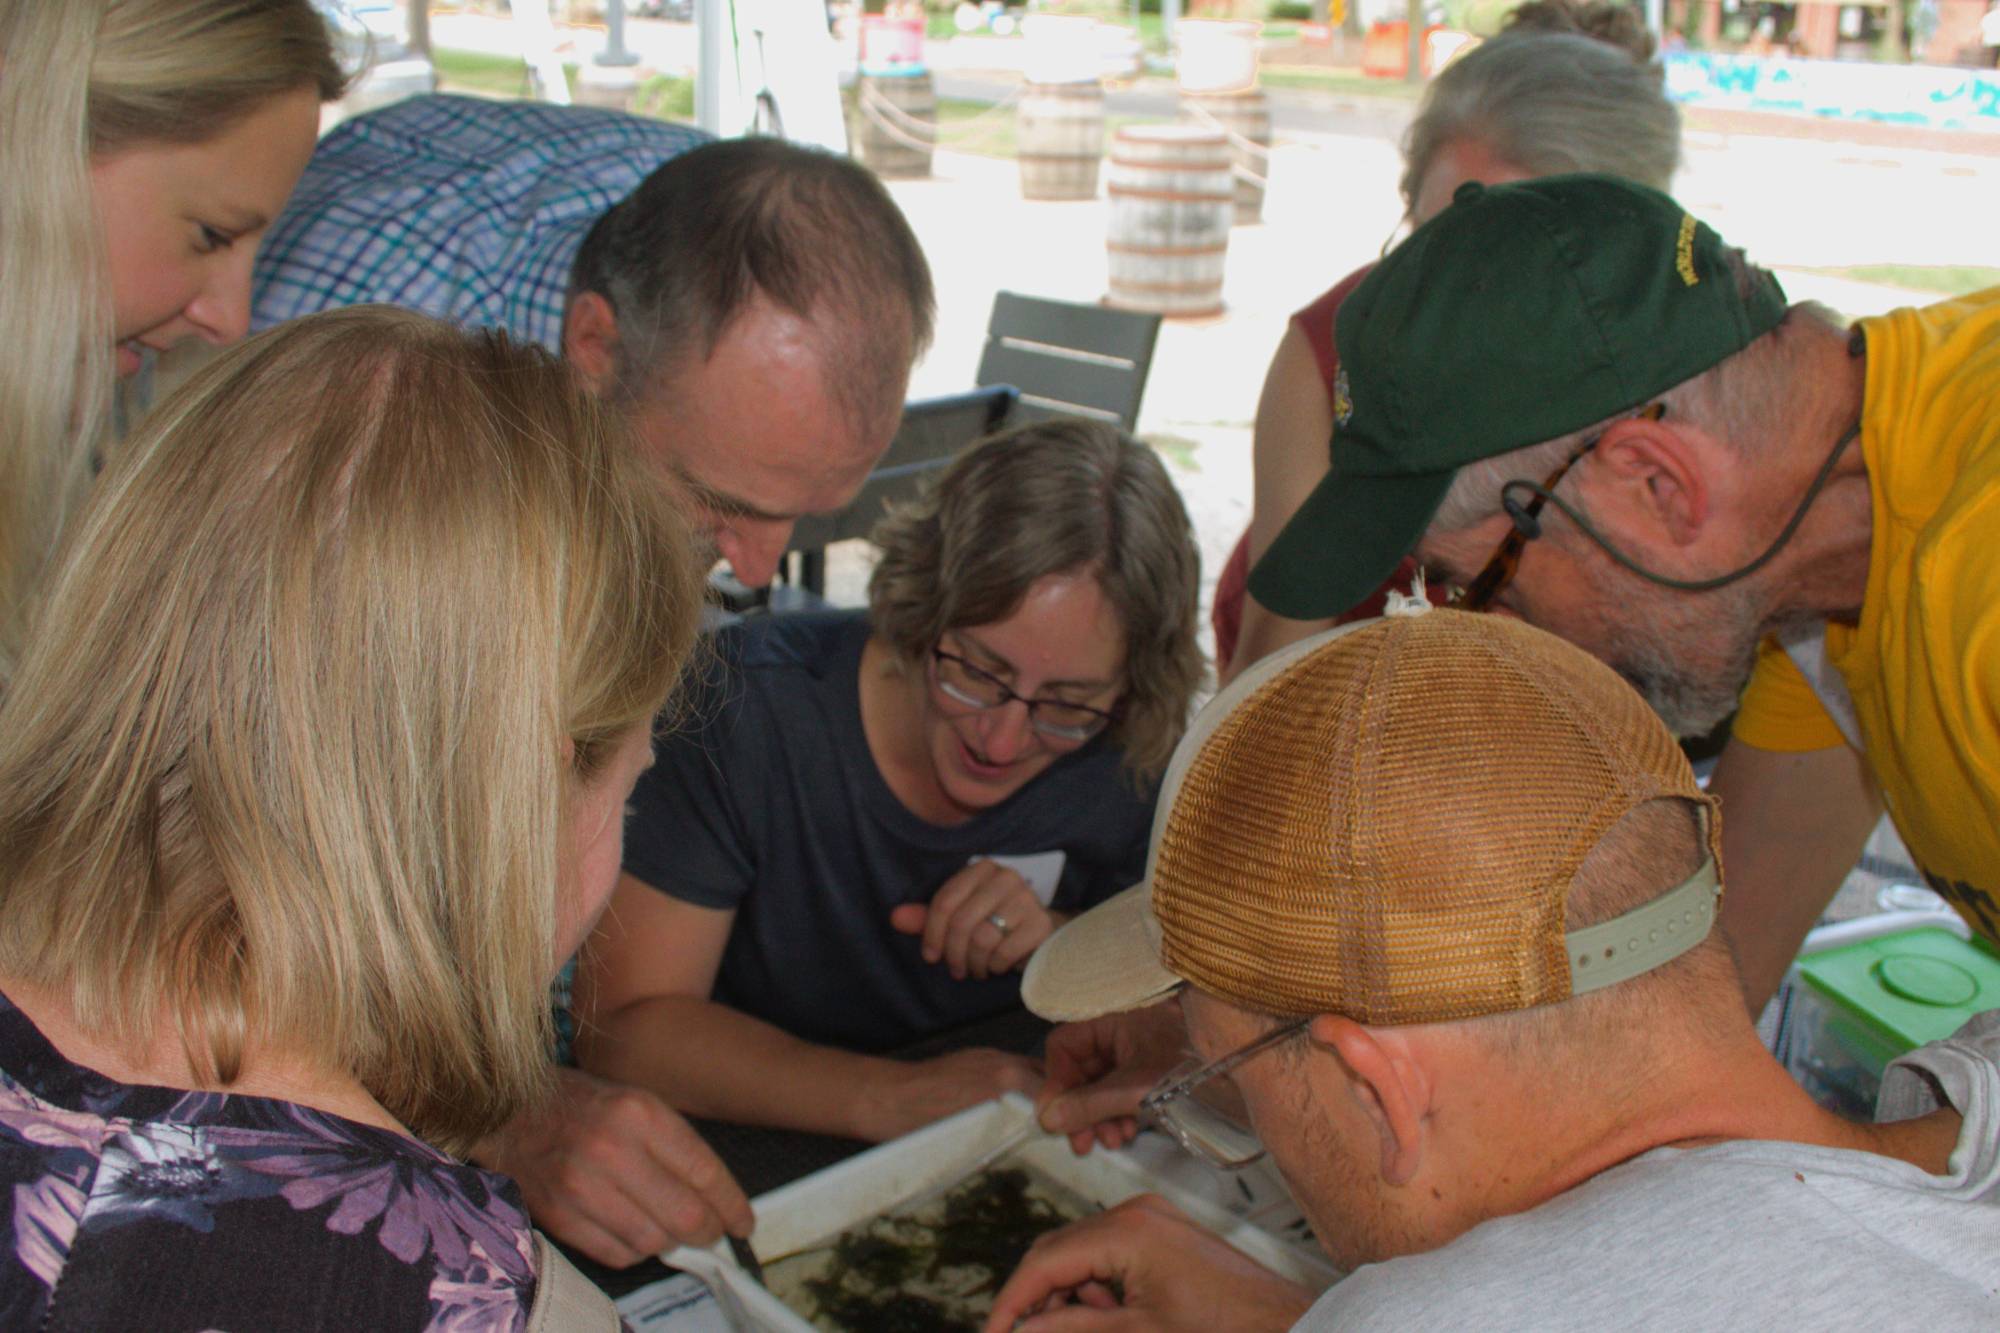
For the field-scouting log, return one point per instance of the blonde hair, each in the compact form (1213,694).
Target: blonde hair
(83,80)
(1054,497)
(343,599)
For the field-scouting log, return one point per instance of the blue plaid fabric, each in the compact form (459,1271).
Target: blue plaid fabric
(466,209)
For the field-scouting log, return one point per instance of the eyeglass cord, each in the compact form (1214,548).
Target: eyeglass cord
(1531,526)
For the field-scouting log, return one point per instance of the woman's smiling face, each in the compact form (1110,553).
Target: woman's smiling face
(1064,641)
(181,223)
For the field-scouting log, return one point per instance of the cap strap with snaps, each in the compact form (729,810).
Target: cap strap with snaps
(1645,937)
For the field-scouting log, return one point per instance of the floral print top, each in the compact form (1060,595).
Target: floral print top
(156,1208)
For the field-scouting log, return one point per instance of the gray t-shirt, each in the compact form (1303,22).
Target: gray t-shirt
(1750,1234)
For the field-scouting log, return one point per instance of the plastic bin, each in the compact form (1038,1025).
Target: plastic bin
(1860,1005)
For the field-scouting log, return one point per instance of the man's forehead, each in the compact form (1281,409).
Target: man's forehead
(773,454)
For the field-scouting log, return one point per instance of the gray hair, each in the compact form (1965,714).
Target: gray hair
(1741,401)
(1550,103)
(707,232)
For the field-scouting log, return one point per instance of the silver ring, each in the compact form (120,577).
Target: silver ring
(999,922)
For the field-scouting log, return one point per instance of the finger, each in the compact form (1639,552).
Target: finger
(1084,1318)
(968,914)
(983,947)
(688,1159)
(1077,1053)
(909,918)
(945,904)
(1113,1097)
(1005,896)
(1019,945)
(585,1205)
(1060,1261)
(1115,1134)
(1023,1075)
(580,1232)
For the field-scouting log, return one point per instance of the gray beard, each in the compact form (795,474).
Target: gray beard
(1691,657)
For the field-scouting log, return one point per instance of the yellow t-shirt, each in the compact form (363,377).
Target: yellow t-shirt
(1923,664)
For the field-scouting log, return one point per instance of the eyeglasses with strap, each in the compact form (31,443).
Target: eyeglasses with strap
(1498,572)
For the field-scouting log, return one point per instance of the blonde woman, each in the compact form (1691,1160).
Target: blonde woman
(313,771)
(883,813)
(179,127)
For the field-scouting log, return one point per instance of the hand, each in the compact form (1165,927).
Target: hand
(922,1091)
(1099,1070)
(612,1171)
(1143,1265)
(958,928)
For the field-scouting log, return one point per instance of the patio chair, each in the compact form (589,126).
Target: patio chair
(932,431)
(1068,359)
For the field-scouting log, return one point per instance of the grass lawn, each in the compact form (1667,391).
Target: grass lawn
(490,75)
(662,96)
(961,129)
(1946,279)
(1343,81)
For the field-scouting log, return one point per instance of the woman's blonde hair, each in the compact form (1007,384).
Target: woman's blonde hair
(82,80)
(1054,497)
(285,759)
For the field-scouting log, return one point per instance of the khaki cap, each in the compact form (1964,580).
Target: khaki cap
(1383,821)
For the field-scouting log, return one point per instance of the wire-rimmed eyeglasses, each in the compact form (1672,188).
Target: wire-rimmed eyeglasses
(1058,719)
(1205,1114)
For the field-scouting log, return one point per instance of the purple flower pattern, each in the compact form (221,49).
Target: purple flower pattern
(86,1159)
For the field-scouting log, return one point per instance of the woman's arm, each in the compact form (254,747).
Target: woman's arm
(1294,424)
(645,1018)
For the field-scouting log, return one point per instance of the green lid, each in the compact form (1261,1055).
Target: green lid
(1915,986)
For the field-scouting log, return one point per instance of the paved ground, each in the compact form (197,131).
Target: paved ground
(1797,193)
(1793,203)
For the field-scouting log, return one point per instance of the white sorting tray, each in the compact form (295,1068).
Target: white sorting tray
(800,1215)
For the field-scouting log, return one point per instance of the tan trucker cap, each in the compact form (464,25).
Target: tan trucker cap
(1383,821)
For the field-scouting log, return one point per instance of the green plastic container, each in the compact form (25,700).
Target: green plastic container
(1864,1004)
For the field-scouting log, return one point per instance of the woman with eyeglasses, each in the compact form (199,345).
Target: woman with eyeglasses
(1571,85)
(875,817)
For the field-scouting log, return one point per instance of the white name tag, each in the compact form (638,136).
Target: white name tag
(1042,870)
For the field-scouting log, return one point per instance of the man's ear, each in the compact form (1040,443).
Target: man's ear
(1390,1082)
(1651,477)
(590,340)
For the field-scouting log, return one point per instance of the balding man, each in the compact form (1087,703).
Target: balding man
(752,306)
(1458,978)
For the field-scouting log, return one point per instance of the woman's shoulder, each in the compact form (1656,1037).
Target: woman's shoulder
(269,1213)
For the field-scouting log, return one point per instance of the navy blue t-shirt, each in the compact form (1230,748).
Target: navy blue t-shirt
(768,801)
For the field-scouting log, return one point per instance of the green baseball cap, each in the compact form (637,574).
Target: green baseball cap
(1521,313)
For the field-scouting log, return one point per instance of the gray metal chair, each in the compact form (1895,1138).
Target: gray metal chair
(933,430)
(1068,359)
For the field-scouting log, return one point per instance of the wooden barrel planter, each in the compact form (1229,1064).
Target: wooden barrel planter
(1246,118)
(898,122)
(1059,137)
(1171,205)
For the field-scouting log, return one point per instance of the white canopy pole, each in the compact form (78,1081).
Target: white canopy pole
(715,66)
(538,48)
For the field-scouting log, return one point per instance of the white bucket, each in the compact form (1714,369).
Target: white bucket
(1217,55)
(1062,48)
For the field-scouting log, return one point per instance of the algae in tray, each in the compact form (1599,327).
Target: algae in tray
(932,1270)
